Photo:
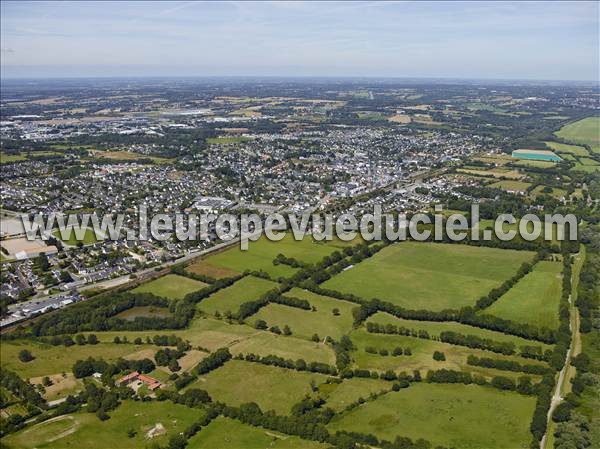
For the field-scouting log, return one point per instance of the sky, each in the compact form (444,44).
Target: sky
(500,40)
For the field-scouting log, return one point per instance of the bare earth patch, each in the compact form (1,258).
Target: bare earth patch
(156,431)
(206,269)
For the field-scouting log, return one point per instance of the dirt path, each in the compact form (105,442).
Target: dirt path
(573,350)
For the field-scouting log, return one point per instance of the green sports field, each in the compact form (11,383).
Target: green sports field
(85,431)
(171,286)
(586,131)
(306,323)
(272,388)
(429,275)
(534,299)
(89,237)
(225,432)
(461,416)
(248,288)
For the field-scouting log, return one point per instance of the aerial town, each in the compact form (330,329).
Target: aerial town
(299,225)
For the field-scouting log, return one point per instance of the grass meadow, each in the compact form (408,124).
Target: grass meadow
(429,275)
(225,432)
(306,323)
(271,387)
(85,431)
(586,131)
(534,299)
(434,328)
(171,286)
(461,416)
(249,288)
(422,355)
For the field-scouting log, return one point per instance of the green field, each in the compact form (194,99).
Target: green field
(534,299)
(85,431)
(56,359)
(461,416)
(429,275)
(261,253)
(212,334)
(227,140)
(339,395)
(231,434)
(9,158)
(515,186)
(88,238)
(143,311)
(565,148)
(305,323)
(249,288)
(171,286)
(434,328)
(272,388)
(534,164)
(422,355)
(586,131)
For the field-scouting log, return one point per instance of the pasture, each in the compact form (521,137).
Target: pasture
(212,334)
(229,299)
(306,323)
(429,276)
(225,432)
(534,299)
(339,395)
(272,388)
(171,286)
(586,131)
(422,355)
(56,359)
(435,328)
(143,311)
(462,416)
(261,253)
(575,150)
(500,173)
(85,431)
(512,186)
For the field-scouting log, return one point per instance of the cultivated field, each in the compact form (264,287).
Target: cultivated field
(429,275)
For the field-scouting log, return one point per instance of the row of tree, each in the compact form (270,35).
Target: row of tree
(507,365)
